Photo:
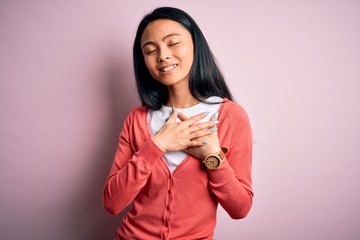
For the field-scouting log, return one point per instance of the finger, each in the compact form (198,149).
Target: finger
(173,116)
(199,134)
(182,116)
(194,119)
(201,126)
(216,116)
(197,143)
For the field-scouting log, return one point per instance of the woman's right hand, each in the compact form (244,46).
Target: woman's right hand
(174,136)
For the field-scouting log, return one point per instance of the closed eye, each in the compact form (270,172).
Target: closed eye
(150,52)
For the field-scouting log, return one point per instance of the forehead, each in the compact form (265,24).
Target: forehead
(160,28)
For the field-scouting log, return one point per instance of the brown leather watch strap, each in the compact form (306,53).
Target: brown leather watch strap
(222,152)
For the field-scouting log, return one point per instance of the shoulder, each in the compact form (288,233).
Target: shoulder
(140,110)
(233,110)
(136,114)
(234,116)
(235,124)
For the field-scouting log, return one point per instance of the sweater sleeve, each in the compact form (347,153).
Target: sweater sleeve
(130,170)
(231,183)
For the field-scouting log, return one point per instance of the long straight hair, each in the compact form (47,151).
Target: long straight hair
(205,77)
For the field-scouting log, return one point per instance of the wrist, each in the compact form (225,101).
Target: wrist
(157,141)
(213,160)
(212,151)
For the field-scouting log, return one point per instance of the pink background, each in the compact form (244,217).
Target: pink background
(66,84)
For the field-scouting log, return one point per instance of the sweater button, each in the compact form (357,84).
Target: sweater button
(169,191)
(168,208)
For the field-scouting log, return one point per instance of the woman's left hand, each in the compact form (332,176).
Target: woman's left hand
(212,145)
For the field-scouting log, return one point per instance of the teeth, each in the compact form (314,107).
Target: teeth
(169,68)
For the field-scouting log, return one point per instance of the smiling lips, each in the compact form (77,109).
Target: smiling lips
(169,68)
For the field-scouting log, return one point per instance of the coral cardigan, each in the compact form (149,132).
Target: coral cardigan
(181,205)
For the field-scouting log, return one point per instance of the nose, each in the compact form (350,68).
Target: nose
(163,55)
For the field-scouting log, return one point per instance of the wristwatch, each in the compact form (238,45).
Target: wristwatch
(214,160)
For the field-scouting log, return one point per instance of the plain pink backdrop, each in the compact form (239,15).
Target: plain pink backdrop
(66,85)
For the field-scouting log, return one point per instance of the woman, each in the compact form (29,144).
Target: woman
(188,147)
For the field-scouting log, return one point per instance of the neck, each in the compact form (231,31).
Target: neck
(180,97)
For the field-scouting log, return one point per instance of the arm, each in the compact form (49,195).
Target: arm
(231,183)
(129,171)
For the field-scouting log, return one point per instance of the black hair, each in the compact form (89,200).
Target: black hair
(205,77)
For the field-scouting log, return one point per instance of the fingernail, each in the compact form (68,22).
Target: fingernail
(215,122)
(204,142)
(206,113)
(178,114)
(216,115)
(213,129)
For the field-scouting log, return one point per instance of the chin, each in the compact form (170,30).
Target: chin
(168,82)
(172,81)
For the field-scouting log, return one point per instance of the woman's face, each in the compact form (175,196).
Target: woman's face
(168,51)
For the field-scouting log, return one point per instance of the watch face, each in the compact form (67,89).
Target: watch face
(212,162)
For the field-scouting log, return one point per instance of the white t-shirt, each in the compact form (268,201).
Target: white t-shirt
(157,119)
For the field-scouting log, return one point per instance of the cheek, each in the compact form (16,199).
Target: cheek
(187,55)
(150,64)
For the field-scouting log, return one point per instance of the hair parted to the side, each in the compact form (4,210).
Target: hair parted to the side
(205,78)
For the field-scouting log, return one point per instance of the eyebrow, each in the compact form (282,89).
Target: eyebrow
(167,36)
